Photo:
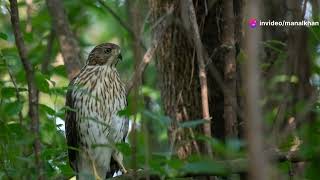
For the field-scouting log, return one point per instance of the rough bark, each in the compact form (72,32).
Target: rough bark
(177,68)
(33,93)
(230,81)
(177,64)
(190,22)
(68,44)
(238,13)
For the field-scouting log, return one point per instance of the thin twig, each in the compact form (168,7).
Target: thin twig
(193,139)
(118,18)
(33,92)
(16,89)
(122,23)
(142,66)
(14,84)
(148,55)
(202,71)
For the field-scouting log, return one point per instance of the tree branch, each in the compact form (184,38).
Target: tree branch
(16,89)
(33,93)
(68,44)
(122,23)
(136,78)
(194,30)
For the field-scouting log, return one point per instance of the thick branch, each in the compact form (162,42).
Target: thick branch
(192,23)
(33,93)
(68,44)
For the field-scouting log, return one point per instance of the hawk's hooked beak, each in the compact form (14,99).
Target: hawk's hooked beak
(120,57)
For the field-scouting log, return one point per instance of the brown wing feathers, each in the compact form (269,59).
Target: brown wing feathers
(71,129)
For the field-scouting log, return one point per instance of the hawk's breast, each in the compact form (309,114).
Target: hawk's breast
(98,98)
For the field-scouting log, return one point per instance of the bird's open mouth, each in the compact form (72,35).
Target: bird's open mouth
(120,57)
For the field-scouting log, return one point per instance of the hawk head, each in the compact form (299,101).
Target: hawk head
(104,54)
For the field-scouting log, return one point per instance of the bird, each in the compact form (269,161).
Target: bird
(92,122)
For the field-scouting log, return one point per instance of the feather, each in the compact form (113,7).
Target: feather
(93,125)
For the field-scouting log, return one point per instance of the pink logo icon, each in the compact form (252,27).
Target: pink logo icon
(252,22)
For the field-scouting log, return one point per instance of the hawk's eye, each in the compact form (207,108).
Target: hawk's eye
(108,50)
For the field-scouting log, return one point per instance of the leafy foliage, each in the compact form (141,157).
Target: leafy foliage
(93,25)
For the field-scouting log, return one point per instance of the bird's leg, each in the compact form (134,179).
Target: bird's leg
(118,158)
(95,172)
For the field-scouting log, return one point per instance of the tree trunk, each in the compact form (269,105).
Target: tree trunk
(230,92)
(68,44)
(178,70)
(178,80)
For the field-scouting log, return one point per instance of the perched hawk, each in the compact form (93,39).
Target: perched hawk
(94,97)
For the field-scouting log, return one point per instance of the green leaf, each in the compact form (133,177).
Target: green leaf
(13,108)
(124,148)
(8,92)
(66,169)
(28,37)
(125,112)
(3,36)
(47,109)
(41,82)
(175,163)
(60,70)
